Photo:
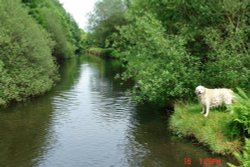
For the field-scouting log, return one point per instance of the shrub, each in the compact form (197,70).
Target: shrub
(26,64)
(159,63)
(52,23)
(173,46)
(61,26)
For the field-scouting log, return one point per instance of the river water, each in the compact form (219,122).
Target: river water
(89,120)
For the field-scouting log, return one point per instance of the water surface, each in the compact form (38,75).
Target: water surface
(88,120)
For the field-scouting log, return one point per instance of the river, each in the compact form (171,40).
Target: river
(89,120)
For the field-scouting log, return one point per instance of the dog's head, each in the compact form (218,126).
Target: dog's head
(199,90)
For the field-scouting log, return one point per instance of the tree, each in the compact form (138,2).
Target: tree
(199,42)
(62,27)
(26,63)
(159,64)
(106,16)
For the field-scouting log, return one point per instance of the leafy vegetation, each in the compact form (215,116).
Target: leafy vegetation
(169,47)
(61,26)
(159,64)
(244,158)
(26,65)
(106,15)
(240,125)
(29,36)
(185,43)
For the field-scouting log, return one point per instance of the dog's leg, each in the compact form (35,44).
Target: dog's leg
(207,110)
(203,109)
(228,105)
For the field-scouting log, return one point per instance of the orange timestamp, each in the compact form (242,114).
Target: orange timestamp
(204,161)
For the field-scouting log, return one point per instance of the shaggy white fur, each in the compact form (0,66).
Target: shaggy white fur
(213,97)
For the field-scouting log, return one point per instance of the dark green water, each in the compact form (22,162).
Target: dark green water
(88,120)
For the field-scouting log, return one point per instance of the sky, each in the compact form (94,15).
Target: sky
(79,10)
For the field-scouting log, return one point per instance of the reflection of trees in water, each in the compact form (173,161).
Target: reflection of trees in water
(69,72)
(25,128)
(107,94)
(106,72)
(151,144)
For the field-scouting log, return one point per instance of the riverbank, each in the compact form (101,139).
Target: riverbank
(30,57)
(213,131)
(101,52)
(89,118)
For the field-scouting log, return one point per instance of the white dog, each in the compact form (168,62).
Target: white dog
(213,97)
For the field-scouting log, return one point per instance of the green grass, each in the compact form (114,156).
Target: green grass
(213,131)
(103,52)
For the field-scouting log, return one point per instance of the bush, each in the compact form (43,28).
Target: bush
(26,64)
(61,26)
(173,46)
(159,63)
(63,48)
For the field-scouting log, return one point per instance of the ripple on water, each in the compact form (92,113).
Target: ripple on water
(92,123)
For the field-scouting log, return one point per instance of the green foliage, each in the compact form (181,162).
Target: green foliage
(63,48)
(170,47)
(228,57)
(187,121)
(83,44)
(159,63)
(26,65)
(244,158)
(62,27)
(240,125)
(106,15)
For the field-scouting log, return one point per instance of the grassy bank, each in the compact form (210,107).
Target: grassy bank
(102,52)
(213,131)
